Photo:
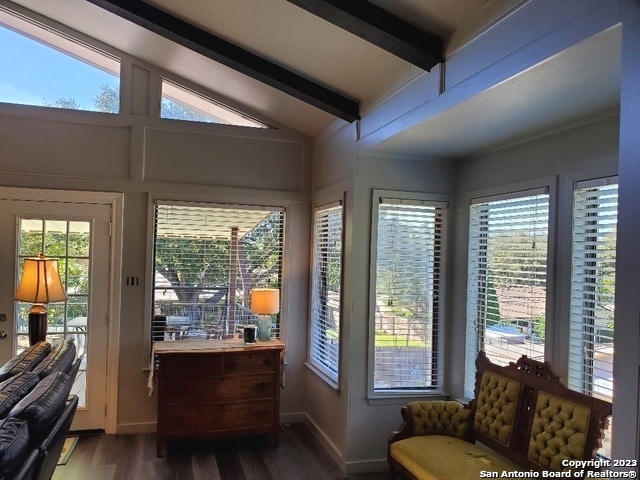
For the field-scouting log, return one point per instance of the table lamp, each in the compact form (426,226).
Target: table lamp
(265,302)
(40,284)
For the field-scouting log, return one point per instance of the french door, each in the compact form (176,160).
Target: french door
(78,235)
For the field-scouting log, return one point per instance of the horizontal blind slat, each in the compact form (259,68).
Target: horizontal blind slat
(593,290)
(325,289)
(194,245)
(410,235)
(506,278)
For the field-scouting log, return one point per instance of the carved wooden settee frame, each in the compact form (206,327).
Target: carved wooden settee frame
(521,411)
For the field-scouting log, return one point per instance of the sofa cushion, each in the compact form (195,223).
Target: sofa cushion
(440,457)
(14,444)
(496,403)
(558,432)
(440,417)
(15,389)
(25,361)
(61,357)
(42,406)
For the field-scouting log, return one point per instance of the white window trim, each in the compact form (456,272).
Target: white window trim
(550,184)
(225,115)
(152,201)
(401,397)
(60,37)
(323,373)
(563,250)
(571,375)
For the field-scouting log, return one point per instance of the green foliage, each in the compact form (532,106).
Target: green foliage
(74,272)
(261,248)
(539,326)
(178,111)
(516,257)
(108,100)
(383,339)
(192,262)
(493,305)
(62,102)
(197,263)
(404,275)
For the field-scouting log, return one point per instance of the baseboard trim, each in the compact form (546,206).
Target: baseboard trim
(367,466)
(326,443)
(352,467)
(133,428)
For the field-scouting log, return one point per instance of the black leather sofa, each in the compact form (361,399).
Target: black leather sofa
(36,409)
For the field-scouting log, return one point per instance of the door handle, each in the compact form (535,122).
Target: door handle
(3,334)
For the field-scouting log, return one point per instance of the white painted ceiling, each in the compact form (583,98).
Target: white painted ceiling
(579,84)
(569,85)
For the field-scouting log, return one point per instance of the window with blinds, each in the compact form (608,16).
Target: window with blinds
(506,285)
(324,345)
(595,217)
(409,258)
(207,258)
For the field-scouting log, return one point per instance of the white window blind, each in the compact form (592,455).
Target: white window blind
(324,351)
(409,261)
(207,258)
(506,286)
(595,215)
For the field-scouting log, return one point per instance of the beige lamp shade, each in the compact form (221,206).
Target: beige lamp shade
(265,301)
(40,281)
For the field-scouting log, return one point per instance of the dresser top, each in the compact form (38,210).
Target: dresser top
(213,346)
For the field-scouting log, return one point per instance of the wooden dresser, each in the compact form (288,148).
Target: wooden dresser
(217,388)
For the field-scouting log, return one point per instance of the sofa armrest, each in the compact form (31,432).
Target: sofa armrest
(434,417)
(52,445)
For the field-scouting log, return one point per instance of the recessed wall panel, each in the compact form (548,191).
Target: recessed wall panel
(230,161)
(49,147)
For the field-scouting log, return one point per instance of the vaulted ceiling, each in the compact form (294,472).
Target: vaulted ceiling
(303,63)
(306,64)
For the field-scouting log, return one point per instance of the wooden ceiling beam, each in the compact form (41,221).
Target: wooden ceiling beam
(379,27)
(237,58)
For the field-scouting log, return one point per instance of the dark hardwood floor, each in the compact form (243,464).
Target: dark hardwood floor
(298,456)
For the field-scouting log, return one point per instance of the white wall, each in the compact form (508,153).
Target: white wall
(435,177)
(626,368)
(557,160)
(537,32)
(146,158)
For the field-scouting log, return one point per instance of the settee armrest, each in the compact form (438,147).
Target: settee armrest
(434,417)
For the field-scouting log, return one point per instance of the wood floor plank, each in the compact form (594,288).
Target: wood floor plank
(205,466)
(129,462)
(253,464)
(297,456)
(229,464)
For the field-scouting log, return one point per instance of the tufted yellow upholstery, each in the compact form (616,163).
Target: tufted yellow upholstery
(496,407)
(437,457)
(558,432)
(522,418)
(440,417)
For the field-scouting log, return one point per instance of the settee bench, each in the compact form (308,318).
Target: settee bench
(521,419)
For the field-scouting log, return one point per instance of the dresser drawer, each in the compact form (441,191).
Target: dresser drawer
(191,366)
(215,389)
(251,362)
(217,418)
(219,389)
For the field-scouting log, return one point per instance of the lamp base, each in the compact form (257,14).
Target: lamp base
(37,327)
(264,328)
